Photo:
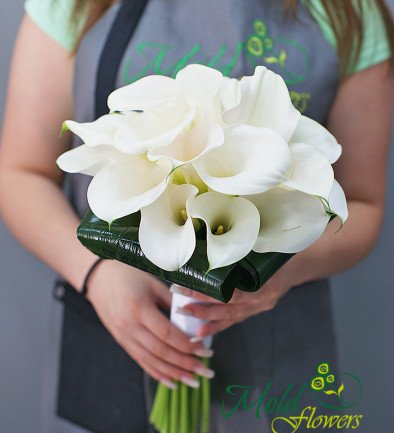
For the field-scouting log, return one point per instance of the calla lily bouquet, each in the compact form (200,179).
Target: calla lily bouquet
(206,156)
(233,155)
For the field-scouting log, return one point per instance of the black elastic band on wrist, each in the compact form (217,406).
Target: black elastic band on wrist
(84,289)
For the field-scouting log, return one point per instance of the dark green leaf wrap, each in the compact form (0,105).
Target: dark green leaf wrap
(120,242)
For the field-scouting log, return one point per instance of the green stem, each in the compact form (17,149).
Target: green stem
(157,405)
(195,408)
(164,411)
(205,401)
(174,425)
(184,412)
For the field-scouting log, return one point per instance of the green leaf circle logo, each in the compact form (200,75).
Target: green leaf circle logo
(260,28)
(323,368)
(330,378)
(317,383)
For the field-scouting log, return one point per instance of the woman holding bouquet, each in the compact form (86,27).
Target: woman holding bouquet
(335,57)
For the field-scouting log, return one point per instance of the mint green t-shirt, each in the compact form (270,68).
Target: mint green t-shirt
(53,16)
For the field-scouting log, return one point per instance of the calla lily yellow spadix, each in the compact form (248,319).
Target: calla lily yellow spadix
(172,232)
(204,155)
(232,226)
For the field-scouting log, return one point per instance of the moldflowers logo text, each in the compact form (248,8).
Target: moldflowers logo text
(326,394)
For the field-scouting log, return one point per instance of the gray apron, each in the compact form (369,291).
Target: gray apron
(101,389)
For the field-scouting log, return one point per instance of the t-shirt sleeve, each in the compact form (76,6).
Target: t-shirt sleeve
(54,18)
(375,47)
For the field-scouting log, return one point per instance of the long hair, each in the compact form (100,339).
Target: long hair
(344,19)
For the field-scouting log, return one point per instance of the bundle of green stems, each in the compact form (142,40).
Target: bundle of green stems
(183,409)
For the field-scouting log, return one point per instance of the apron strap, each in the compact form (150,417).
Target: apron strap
(119,36)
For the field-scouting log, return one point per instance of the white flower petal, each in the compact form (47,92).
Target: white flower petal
(312,172)
(154,128)
(290,220)
(88,160)
(191,144)
(252,160)
(311,132)
(142,93)
(240,220)
(101,131)
(337,202)
(265,103)
(166,239)
(124,187)
(230,93)
(201,85)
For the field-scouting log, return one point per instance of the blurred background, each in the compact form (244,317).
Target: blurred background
(363,297)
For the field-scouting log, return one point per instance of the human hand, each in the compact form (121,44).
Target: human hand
(128,302)
(220,316)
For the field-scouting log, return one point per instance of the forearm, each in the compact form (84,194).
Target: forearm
(336,250)
(38,214)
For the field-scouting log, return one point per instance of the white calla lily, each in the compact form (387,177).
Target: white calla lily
(88,160)
(154,128)
(166,232)
(265,103)
(101,131)
(163,112)
(337,202)
(251,160)
(232,226)
(290,220)
(124,187)
(311,132)
(201,85)
(191,144)
(311,170)
(144,93)
(230,93)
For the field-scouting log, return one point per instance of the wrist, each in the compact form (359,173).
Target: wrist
(292,274)
(84,290)
(298,270)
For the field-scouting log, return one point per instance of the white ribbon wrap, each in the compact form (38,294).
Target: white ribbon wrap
(188,324)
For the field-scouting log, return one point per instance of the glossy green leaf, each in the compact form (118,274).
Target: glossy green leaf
(121,243)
